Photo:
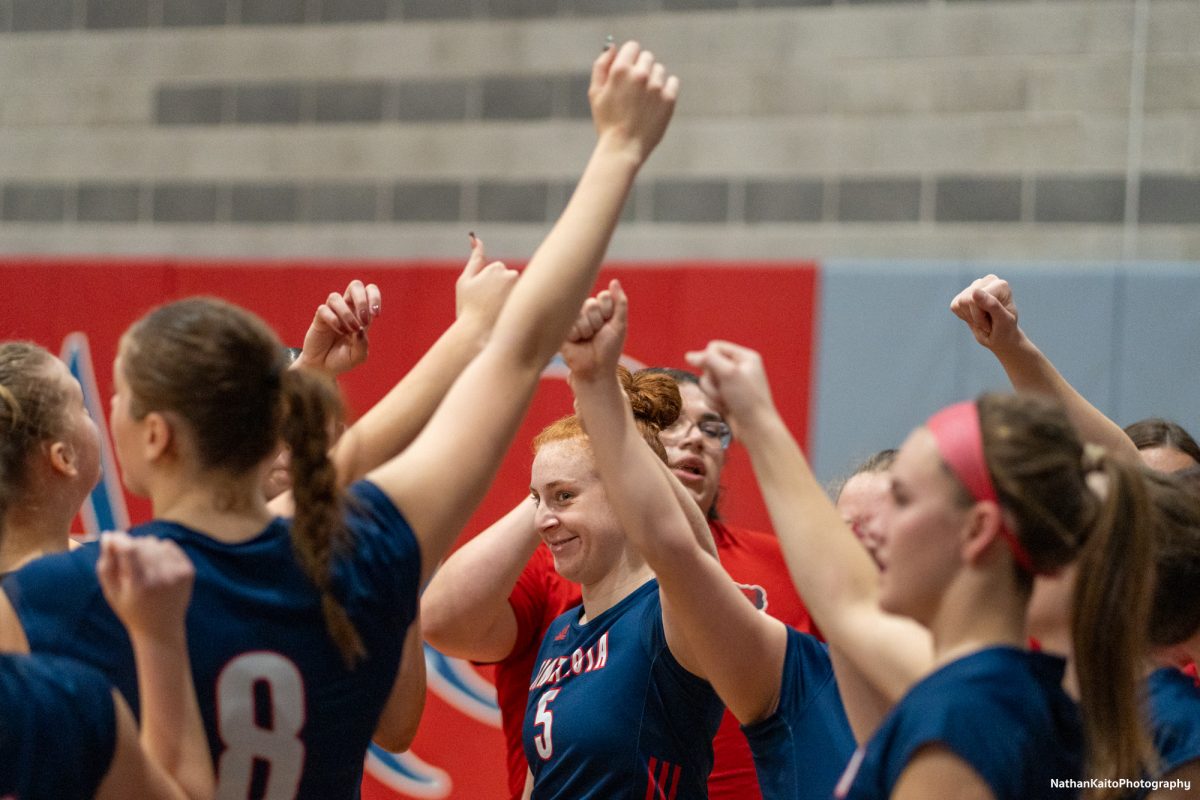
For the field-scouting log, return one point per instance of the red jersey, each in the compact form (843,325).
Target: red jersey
(755,562)
(751,558)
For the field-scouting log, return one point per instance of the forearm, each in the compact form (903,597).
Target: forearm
(546,300)
(402,714)
(172,732)
(829,567)
(465,611)
(1029,370)
(636,485)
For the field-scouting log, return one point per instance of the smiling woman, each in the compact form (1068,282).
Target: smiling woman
(613,654)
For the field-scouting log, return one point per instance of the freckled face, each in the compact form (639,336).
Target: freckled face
(573,515)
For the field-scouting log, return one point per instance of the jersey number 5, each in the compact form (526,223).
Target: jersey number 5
(545,717)
(260,711)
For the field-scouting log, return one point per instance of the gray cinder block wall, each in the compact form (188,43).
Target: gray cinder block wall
(954,129)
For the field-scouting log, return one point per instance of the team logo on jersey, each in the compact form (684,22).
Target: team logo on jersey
(756,594)
(563,633)
(580,661)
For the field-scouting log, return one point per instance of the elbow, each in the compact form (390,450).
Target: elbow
(398,741)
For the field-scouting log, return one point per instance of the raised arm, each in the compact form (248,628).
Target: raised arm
(394,422)
(831,570)
(440,478)
(148,583)
(710,627)
(465,606)
(988,309)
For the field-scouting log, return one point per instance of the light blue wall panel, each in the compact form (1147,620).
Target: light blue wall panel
(1158,352)
(891,353)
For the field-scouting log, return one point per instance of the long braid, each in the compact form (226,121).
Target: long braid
(317,530)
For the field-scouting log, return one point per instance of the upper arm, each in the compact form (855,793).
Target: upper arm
(401,715)
(12,633)
(1187,774)
(132,773)
(935,771)
(441,477)
(865,704)
(715,632)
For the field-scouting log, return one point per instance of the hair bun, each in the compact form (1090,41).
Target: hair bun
(653,396)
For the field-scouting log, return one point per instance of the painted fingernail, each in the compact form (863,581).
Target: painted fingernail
(608,42)
(471,234)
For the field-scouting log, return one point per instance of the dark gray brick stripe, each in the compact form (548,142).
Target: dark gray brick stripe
(1050,199)
(42,15)
(321,103)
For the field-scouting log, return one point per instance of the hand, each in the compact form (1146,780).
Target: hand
(734,380)
(632,98)
(146,581)
(481,290)
(593,346)
(337,339)
(988,309)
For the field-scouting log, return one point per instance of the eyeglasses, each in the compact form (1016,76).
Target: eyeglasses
(714,429)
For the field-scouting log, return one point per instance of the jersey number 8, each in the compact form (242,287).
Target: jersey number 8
(247,737)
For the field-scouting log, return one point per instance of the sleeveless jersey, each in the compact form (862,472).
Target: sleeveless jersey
(612,715)
(1002,710)
(58,728)
(284,715)
(755,562)
(801,749)
(1174,717)
(538,598)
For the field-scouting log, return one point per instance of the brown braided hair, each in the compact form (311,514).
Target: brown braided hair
(224,372)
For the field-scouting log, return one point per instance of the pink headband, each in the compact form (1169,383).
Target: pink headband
(960,443)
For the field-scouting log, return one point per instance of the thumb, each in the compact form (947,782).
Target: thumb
(620,302)
(478,258)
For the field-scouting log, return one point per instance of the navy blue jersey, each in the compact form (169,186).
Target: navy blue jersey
(283,713)
(1002,710)
(801,749)
(1174,718)
(58,728)
(612,714)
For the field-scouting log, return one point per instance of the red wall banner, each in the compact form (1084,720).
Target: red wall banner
(673,308)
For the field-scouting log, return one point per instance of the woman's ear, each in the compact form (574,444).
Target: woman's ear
(981,530)
(62,459)
(157,435)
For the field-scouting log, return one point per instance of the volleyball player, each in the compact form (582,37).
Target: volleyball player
(776,680)
(314,610)
(616,708)
(984,496)
(65,734)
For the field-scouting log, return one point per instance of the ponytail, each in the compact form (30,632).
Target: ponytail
(1041,473)
(1111,617)
(318,529)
